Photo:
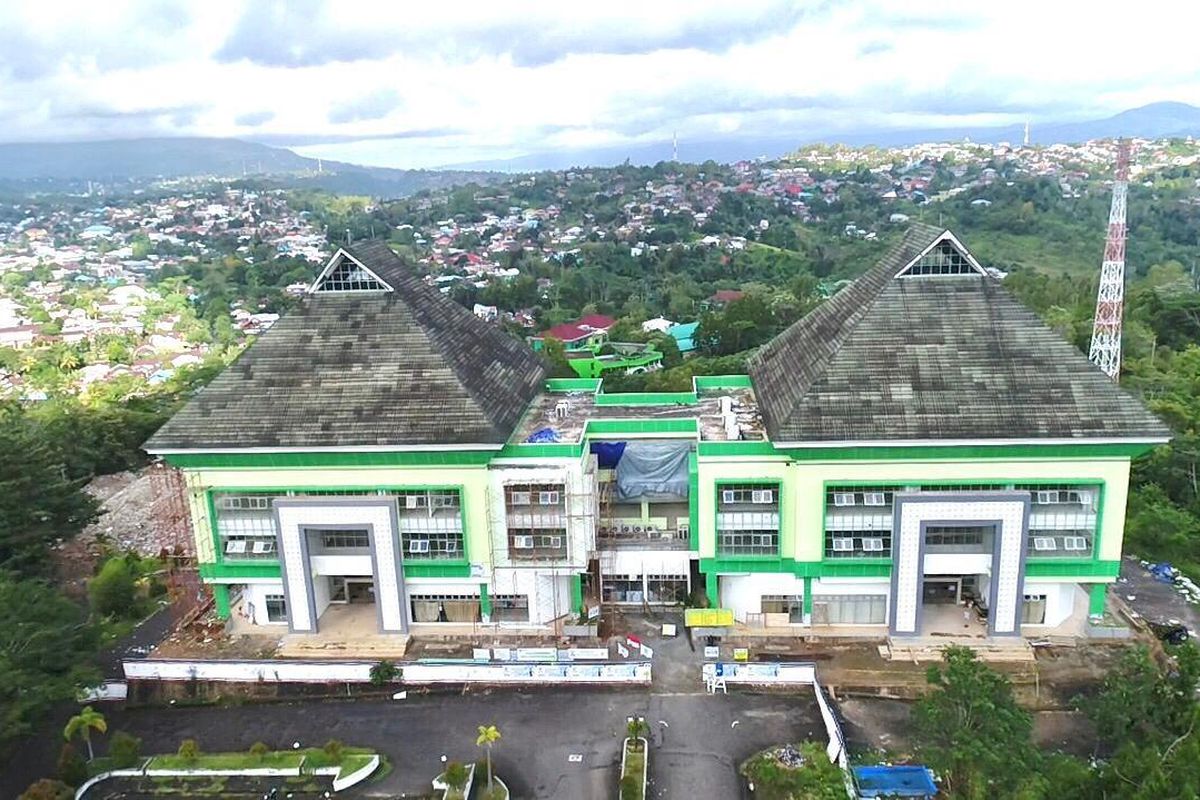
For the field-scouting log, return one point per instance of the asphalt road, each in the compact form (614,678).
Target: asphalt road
(696,742)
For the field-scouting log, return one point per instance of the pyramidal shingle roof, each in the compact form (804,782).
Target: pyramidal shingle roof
(365,368)
(935,357)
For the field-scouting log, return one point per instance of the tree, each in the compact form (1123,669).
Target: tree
(125,749)
(47,789)
(1139,704)
(72,769)
(189,750)
(488,736)
(556,357)
(83,724)
(971,731)
(112,591)
(46,651)
(259,750)
(333,750)
(456,776)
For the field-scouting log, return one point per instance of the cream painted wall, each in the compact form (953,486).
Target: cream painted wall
(803,500)
(473,480)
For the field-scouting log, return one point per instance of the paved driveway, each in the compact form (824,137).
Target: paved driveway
(695,745)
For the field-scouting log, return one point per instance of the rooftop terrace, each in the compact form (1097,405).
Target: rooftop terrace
(563,411)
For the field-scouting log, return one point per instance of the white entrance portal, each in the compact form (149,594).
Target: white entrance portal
(1006,513)
(297,516)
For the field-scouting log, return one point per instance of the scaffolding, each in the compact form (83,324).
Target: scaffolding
(171,517)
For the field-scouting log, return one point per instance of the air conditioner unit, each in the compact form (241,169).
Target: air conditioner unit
(262,548)
(1076,543)
(873,544)
(637,528)
(418,546)
(1044,543)
(548,498)
(235,546)
(873,499)
(728,496)
(843,544)
(523,542)
(684,529)
(1047,497)
(843,498)
(520,498)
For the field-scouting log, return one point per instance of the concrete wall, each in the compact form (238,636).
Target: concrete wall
(255,594)
(743,593)
(580,507)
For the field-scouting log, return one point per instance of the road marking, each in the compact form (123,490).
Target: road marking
(734,724)
(663,722)
(575,758)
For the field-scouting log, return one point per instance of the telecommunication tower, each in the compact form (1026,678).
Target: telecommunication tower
(1105,351)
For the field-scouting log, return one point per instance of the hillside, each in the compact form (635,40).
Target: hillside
(138,160)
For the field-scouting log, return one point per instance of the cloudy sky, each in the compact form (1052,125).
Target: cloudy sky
(412,84)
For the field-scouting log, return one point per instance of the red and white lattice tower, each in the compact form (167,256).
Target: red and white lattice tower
(1105,351)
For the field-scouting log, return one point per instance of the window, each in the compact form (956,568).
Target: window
(792,605)
(537,543)
(536,520)
(623,590)
(943,259)
(431,524)
(874,499)
(954,539)
(858,544)
(1045,498)
(843,499)
(245,515)
(850,609)
(1075,543)
(666,589)
(345,540)
(460,608)
(1033,609)
(276,608)
(235,546)
(748,520)
(1044,543)
(510,608)
(263,547)
(348,276)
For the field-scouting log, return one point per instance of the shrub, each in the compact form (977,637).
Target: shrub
(259,750)
(188,749)
(125,749)
(72,769)
(456,776)
(384,673)
(113,589)
(333,749)
(47,789)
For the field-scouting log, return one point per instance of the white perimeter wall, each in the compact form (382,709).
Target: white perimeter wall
(255,594)
(1060,600)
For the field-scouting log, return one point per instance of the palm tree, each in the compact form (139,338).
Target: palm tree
(488,735)
(83,723)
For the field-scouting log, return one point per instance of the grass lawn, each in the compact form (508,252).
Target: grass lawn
(352,760)
(635,762)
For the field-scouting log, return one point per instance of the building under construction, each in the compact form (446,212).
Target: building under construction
(381,458)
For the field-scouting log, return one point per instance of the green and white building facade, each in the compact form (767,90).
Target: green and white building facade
(918,439)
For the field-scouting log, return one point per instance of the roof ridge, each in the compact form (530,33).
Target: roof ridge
(872,284)
(423,301)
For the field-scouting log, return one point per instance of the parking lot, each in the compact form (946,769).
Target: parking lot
(696,742)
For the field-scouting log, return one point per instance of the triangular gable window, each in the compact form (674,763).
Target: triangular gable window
(346,275)
(945,257)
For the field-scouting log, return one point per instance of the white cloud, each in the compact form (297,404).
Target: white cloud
(459,81)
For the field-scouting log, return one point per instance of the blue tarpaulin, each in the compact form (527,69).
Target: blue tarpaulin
(906,781)
(1163,572)
(608,453)
(543,436)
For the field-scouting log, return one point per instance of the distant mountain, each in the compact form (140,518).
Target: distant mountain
(119,161)
(1152,121)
